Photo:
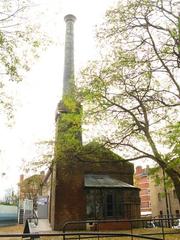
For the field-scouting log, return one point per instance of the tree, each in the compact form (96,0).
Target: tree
(31,187)
(133,88)
(20,40)
(42,159)
(10,197)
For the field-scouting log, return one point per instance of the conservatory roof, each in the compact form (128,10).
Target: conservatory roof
(106,181)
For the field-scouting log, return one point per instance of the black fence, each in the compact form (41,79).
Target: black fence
(154,229)
(150,228)
(78,235)
(168,221)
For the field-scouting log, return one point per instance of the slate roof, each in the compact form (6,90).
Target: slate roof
(106,181)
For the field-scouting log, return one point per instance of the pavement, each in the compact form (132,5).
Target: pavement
(42,227)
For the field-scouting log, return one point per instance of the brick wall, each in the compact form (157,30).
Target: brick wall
(69,195)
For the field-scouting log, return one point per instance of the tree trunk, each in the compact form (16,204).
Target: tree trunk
(172,173)
(175,176)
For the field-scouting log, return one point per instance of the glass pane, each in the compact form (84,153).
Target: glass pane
(109,204)
(99,204)
(90,206)
(119,204)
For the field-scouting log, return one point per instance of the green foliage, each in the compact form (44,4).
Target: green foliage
(156,173)
(68,129)
(133,89)
(31,186)
(68,144)
(173,141)
(43,158)
(95,151)
(10,198)
(172,158)
(9,204)
(21,41)
(13,36)
(174,137)
(71,104)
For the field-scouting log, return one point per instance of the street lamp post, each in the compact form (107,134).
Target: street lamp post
(166,198)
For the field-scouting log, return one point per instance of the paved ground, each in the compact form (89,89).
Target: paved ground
(43,226)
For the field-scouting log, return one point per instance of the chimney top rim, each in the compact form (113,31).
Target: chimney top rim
(69,17)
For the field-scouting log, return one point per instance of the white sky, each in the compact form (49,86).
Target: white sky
(40,91)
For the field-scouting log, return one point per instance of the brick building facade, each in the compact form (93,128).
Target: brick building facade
(30,187)
(142,181)
(154,201)
(163,204)
(94,190)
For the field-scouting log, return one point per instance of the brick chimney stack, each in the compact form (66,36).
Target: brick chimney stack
(21,178)
(68,79)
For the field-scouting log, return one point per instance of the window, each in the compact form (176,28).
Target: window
(120,211)
(143,191)
(104,203)
(145,204)
(109,204)
(114,204)
(94,204)
(90,206)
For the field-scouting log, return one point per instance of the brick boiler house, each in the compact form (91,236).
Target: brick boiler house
(94,183)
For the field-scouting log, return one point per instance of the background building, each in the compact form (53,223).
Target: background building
(154,201)
(163,204)
(142,181)
(30,187)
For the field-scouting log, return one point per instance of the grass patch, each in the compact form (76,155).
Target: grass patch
(12,229)
(170,236)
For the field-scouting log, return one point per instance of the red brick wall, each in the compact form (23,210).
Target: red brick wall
(69,198)
(142,181)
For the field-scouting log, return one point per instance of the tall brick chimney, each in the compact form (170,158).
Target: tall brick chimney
(21,178)
(68,79)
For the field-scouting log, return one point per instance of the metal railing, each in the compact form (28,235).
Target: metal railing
(168,221)
(159,223)
(78,235)
(67,235)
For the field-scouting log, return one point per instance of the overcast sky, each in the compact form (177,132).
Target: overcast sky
(37,96)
